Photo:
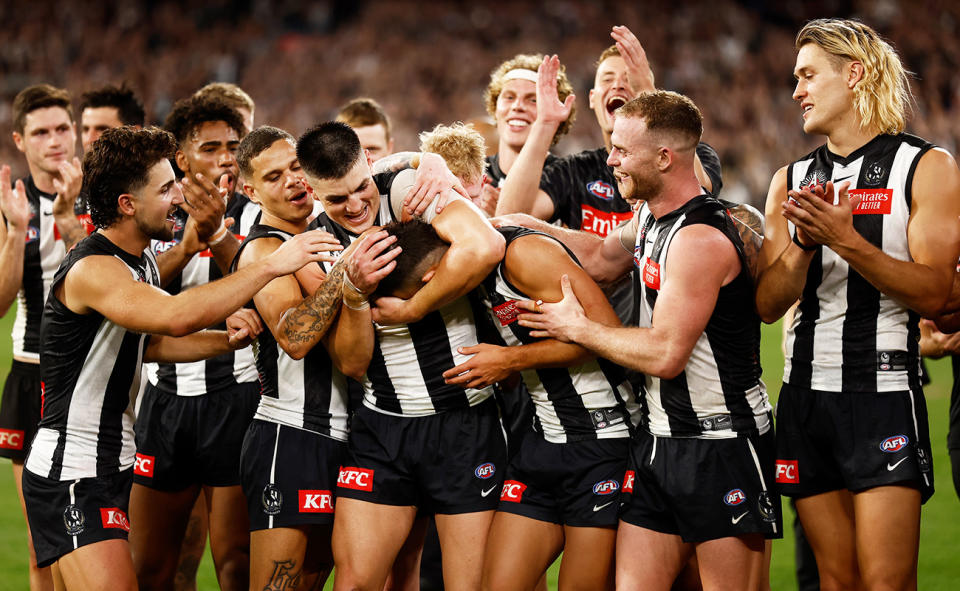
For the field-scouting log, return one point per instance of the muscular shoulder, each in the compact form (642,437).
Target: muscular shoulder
(257,249)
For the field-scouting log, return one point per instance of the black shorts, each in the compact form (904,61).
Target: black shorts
(702,489)
(852,440)
(451,462)
(576,484)
(289,475)
(187,440)
(66,515)
(20,410)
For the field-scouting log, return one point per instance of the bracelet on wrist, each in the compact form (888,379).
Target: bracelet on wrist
(218,236)
(348,283)
(362,306)
(796,241)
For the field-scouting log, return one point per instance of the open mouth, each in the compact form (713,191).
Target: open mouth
(299,198)
(615,103)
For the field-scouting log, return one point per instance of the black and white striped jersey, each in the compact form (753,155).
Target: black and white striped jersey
(592,400)
(308,393)
(91,374)
(719,393)
(224,371)
(846,335)
(43,253)
(405,376)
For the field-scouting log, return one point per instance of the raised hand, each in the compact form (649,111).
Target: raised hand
(639,73)
(549,107)
(205,203)
(13,202)
(817,219)
(68,187)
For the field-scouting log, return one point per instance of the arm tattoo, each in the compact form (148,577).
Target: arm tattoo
(394,162)
(310,320)
(750,225)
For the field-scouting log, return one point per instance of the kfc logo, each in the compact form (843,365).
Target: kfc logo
(628,481)
(316,501)
(114,518)
(512,491)
(506,312)
(787,472)
(11,439)
(143,465)
(651,274)
(872,201)
(356,478)
(600,222)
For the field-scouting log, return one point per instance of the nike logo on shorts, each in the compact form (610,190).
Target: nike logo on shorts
(599,507)
(892,467)
(484,493)
(736,520)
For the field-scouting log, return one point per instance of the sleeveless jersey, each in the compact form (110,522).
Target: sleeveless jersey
(405,376)
(719,393)
(308,393)
(592,400)
(91,373)
(496,174)
(846,335)
(223,371)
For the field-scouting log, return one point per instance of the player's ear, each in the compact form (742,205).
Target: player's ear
(249,192)
(855,74)
(429,274)
(126,205)
(181,160)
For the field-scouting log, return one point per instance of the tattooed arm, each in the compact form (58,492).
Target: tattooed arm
(749,222)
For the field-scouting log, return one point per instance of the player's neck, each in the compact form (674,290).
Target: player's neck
(42,179)
(126,235)
(506,156)
(268,219)
(676,192)
(849,136)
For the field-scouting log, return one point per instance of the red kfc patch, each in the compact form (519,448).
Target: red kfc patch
(143,465)
(512,491)
(114,518)
(11,439)
(628,481)
(872,201)
(787,472)
(315,501)
(355,478)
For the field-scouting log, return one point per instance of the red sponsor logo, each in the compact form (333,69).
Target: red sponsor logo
(506,312)
(206,252)
(600,222)
(11,439)
(113,517)
(875,201)
(651,274)
(628,481)
(316,501)
(787,472)
(512,491)
(355,478)
(143,465)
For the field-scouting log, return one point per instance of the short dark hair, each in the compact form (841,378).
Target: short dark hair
(666,111)
(122,98)
(257,141)
(190,113)
(420,246)
(38,96)
(328,150)
(119,162)
(361,112)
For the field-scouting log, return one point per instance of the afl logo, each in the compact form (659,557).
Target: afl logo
(485,471)
(32,234)
(601,190)
(874,174)
(894,444)
(73,519)
(817,178)
(606,487)
(734,497)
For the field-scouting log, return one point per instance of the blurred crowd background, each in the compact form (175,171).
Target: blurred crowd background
(428,62)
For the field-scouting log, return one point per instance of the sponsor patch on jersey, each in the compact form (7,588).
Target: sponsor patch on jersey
(512,491)
(315,501)
(606,487)
(872,201)
(485,470)
(114,518)
(272,499)
(734,497)
(892,360)
(814,179)
(651,274)
(787,472)
(601,189)
(33,234)
(143,465)
(355,478)
(894,443)
(73,519)
(11,439)
(628,481)
(600,222)
(506,312)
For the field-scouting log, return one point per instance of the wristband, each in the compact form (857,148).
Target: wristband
(802,245)
(348,283)
(364,306)
(218,236)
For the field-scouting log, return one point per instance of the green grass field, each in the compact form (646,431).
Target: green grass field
(939,564)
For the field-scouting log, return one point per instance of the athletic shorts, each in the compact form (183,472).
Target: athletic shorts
(576,484)
(66,515)
(852,440)
(702,489)
(187,440)
(20,410)
(289,475)
(449,463)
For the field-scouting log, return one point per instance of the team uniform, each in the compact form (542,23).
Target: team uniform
(43,253)
(192,416)
(568,470)
(77,478)
(702,465)
(416,440)
(293,449)
(851,414)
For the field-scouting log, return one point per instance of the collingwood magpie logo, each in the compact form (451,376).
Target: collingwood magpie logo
(272,499)
(875,174)
(73,519)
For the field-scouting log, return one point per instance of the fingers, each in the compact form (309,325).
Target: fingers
(530,305)
(566,287)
